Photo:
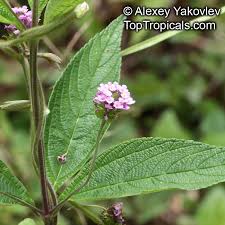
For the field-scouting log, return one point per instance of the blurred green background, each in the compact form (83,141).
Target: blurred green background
(179,88)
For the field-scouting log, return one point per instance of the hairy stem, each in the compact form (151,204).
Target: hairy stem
(38,107)
(25,65)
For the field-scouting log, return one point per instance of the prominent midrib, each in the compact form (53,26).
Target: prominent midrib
(92,77)
(106,164)
(146,149)
(158,175)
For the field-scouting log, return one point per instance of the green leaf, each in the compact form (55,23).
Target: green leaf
(214,139)
(88,212)
(162,37)
(56,8)
(148,165)
(27,222)
(213,121)
(72,125)
(169,126)
(42,4)
(211,210)
(7,16)
(11,186)
(149,206)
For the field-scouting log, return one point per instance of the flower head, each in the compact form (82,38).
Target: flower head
(112,98)
(24,15)
(114,214)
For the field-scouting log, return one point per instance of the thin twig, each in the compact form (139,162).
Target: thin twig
(52,46)
(14,3)
(75,39)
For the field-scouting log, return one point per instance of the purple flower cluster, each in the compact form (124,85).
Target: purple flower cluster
(116,211)
(113,97)
(24,15)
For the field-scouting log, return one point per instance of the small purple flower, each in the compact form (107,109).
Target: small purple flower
(112,98)
(20,10)
(24,15)
(116,212)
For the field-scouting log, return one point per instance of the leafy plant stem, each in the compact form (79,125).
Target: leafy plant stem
(92,164)
(38,107)
(40,31)
(53,194)
(26,69)
(25,65)
(54,201)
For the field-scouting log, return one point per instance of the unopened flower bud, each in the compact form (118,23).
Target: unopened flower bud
(114,215)
(47,111)
(81,9)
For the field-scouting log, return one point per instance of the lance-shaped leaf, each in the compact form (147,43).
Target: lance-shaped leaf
(42,4)
(149,165)
(12,190)
(56,9)
(7,16)
(72,126)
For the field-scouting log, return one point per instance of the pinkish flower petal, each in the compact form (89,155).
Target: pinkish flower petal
(108,106)
(109,99)
(112,87)
(118,105)
(24,15)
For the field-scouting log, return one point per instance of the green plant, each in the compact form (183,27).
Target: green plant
(66,134)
